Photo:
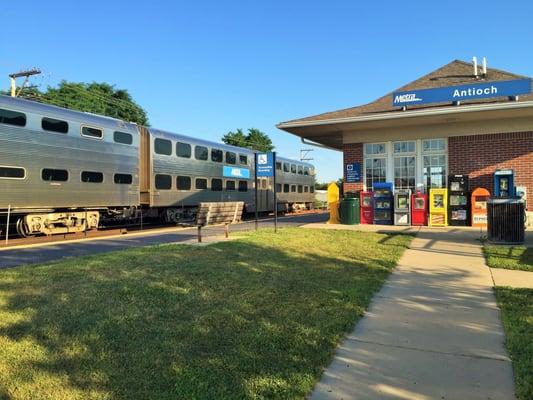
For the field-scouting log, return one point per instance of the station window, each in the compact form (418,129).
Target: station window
(300,170)
(286,188)
(375,148)
(230,185)
(405,147)
(183,150)
(300,189)
(12,117)
(54,125)
(200,183)
(183,183)
(432,145)
(306,170)
(278,165)
(231,157)
(243,186)
(163,146)
(123,137)
(91,132)
(163,182)
(243,159)
(312,189)
(306,189)
(216,185)
(123,179)
(200,153)
(12,173)
(286,167)
(92,177)
(217,155)
(375,164)
(278,188)
(404,165)
(293,188)
(293,168)
(54,175)
(434,163)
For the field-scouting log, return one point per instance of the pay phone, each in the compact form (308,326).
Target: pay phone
(504,183)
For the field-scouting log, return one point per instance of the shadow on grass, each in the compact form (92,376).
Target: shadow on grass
(237,319)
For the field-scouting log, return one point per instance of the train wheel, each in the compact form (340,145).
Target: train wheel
(22,229)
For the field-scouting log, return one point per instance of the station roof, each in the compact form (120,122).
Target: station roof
(454,73)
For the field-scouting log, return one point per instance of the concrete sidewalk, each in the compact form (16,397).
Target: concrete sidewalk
(512,278)
(432,332)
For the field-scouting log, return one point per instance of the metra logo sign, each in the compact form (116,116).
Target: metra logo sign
(462,92)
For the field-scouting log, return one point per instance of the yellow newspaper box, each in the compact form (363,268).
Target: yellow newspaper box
(438,207)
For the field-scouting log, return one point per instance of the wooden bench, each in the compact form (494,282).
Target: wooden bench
(218,213)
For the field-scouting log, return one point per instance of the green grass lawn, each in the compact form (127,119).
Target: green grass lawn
(509,257)
(258,317)
(517,314)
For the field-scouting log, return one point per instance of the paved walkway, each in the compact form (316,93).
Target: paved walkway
(432,332)
(512,278)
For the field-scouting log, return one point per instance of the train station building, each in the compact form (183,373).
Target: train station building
(462,118)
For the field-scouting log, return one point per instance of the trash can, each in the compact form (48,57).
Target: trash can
(350,211)
(505,220)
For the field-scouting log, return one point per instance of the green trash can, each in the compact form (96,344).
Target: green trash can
(349,210)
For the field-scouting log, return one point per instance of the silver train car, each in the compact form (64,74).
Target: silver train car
(65,171)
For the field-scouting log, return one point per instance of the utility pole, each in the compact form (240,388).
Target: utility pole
(26,74)
(304,155)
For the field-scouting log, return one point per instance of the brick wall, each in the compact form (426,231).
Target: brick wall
(353,153)
(478,156)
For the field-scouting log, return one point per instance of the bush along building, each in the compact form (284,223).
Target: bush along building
(461,119)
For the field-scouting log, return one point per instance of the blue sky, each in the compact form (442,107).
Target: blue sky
(203,68)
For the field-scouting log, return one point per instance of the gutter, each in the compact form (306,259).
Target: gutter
(410,114)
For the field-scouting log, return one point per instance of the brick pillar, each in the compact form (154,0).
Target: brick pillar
(352,153)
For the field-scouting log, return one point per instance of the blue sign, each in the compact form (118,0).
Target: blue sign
(265,164)
(235,172)
(353,173)
(462,92)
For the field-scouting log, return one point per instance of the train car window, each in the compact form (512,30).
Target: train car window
(264,184)
(12,173)
(123,179)
(217,155)
(200,153)
(231,158)
(216,185)
(230,185)
(286,167)
(293,168)
(306,189)
(163,146)
(312,189)
(243,186)
(306,171)
(243,159)
(286,188)
(278,187)
(92,177)
(90,132)
(54,125)
(163,182)
(123,137)
(12,117)
(183,182)
(54,175)
(200,183)
(293,188)
(300,189)
(183,150)
(278,165)
(300,170)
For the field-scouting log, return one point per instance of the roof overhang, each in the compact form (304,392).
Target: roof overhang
(330,132)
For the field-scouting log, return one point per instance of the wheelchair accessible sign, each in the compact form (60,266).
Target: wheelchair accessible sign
(265,164)
(353,173)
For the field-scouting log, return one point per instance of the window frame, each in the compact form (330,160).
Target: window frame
(190,183)
(52,130)
(245,156)
(215,150)
(122,183)
(122,133)
(234,185)
(178,143)
(239,189)
(55,180)
(91,172)
(14,167)
(92,127)
(155,182)
(163,140)
(197,178)
(221,184)
(13,111)
(228,152)
(196,147)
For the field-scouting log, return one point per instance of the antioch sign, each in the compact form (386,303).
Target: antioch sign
(462,92)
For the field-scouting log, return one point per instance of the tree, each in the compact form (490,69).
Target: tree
(255,140)
(98,98)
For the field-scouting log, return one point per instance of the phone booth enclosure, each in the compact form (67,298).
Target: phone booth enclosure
(367,208)
(383,203)
(504,183)
(438,207)
(419,209)
(478,202)
(402,207)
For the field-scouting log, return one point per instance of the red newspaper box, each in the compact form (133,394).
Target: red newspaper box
(367,208)
(479,207)
(419,209)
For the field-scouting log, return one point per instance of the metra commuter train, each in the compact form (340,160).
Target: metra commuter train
(67,171)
